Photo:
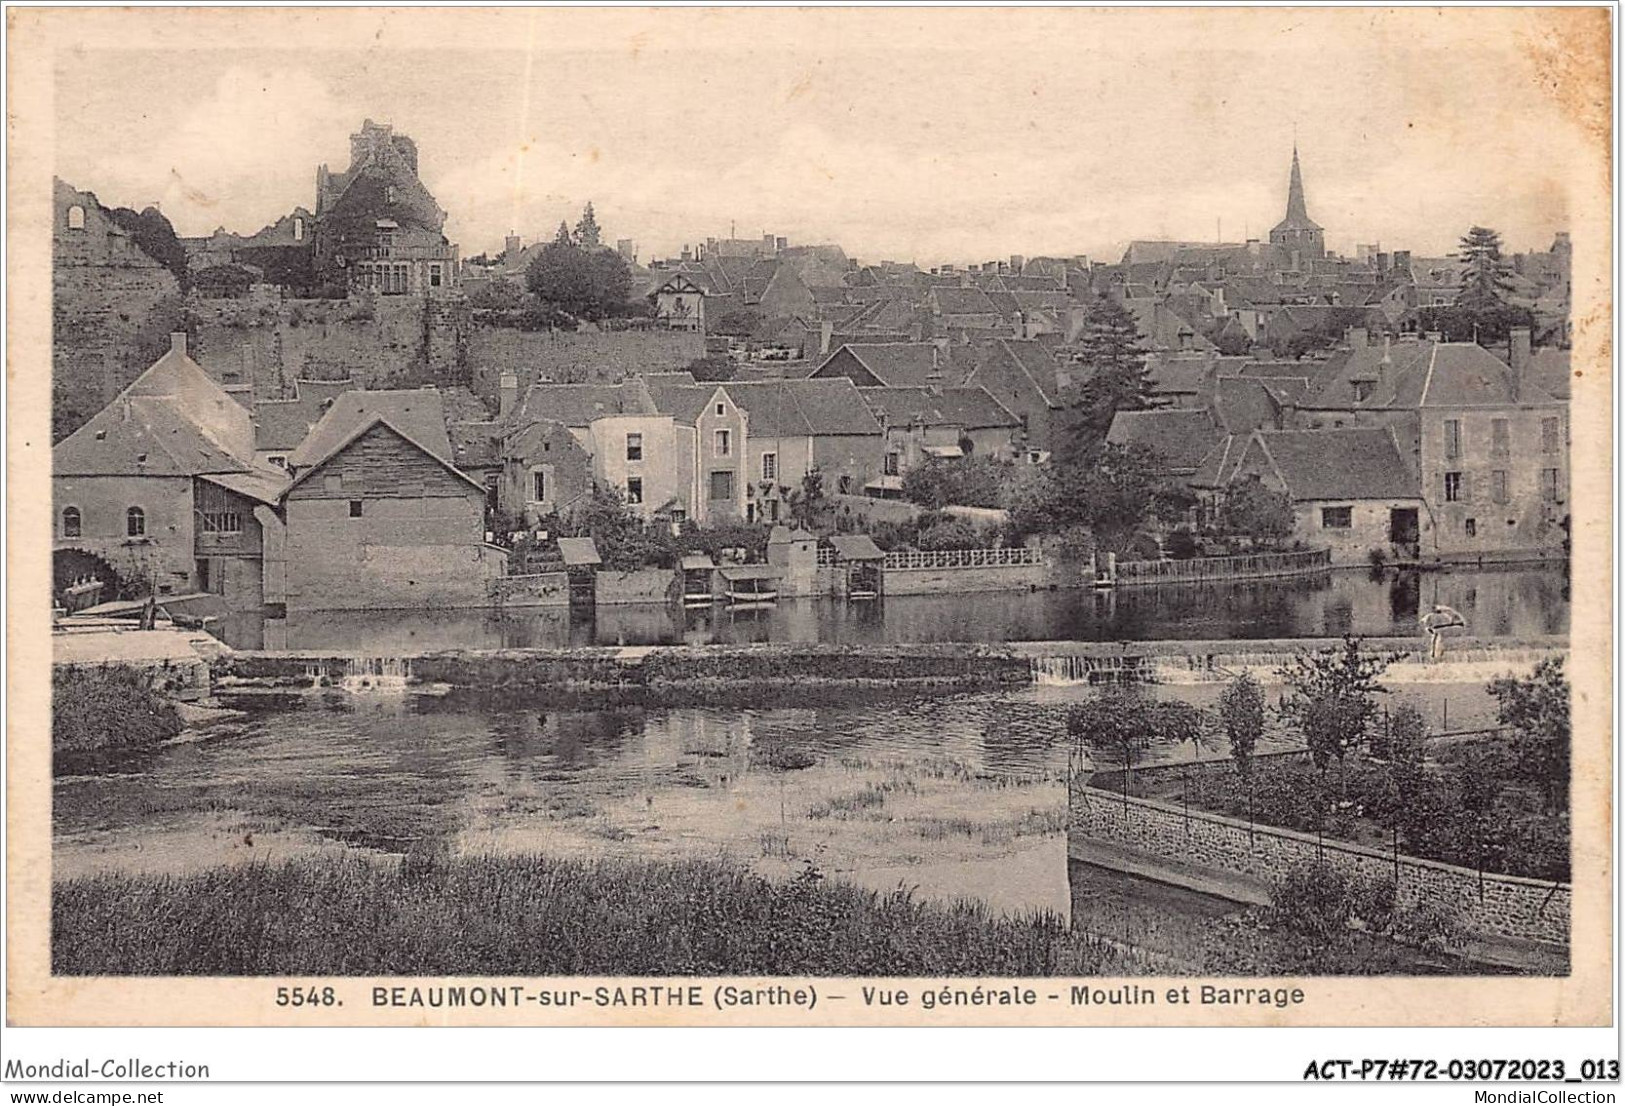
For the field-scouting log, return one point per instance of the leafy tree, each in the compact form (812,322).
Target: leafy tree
(1118,724)
(497,295)
(587,235)
(1485,273)
(1241,712)
(1111,491)
(1249,507)
(1537,710)
(949,533)
(587,285)
(1333,699)
(1488,326)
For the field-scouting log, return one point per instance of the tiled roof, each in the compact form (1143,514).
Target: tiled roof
(683,402)
(902,363)
(1220,462)
(1335,464)
(1549,371)
(1244,404)
(1027,356)
(266,487)
(1180,437)
(579,404)
(475,444)
(971,407)
(416,414)
(799,408)
(1180,374)
(962,301)
(1458,374)
(1333,384)
(141,436)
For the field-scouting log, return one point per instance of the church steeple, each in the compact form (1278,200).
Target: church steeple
(1295,206)
(1297,231)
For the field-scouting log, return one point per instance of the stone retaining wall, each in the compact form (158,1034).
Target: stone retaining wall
(937,581)
(1491,905)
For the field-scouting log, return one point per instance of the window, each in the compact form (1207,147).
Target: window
(770,466)
(1455,488)
(1500,438)
(1470,528)
(355,508)
(724,443)
(538,486)
(298,229)
(135,522)
(279,461)
(1452,438)
(634,489)
(1498,485)
(894,464)
(434,276)
(222,522)
(71,522)
(773,510)
(1362,390)
(634,447)
(722,485)
(1336,518)
(720,411)
(1550,434)
(389,194)
(1550,489)
(76,218)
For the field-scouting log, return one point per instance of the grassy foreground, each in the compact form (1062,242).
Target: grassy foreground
(538,916)
(101,714)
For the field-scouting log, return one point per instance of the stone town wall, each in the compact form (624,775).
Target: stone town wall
(1492,905)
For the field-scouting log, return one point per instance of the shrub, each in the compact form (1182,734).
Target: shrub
(97,715)
(1180,545)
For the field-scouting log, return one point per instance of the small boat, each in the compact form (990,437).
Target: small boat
(750,585)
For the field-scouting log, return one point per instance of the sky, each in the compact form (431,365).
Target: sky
(945,139)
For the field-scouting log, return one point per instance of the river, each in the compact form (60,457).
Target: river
(1509,602)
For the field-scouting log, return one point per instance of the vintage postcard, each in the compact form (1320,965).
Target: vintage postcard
(810,517)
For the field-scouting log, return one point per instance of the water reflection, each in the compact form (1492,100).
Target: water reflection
(1515,602)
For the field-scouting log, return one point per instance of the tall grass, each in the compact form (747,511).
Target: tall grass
(100,715)
(539,916)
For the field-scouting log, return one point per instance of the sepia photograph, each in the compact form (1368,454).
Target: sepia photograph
(567,500)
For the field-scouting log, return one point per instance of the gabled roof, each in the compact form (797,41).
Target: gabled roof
(962,301)
(899,363)
(579,405)
(970,406)
(1333,464)
(141,436)
(1219,465)
(1333,385)
(475,444)
(1243,404)
(684,402)
(1459,374)
(802,408)
(417,414)
(281,424)
(1549,371)
(855,547)
(372,422)
(1181,437)
(1030,358)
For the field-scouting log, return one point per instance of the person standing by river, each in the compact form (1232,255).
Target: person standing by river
(1435,622)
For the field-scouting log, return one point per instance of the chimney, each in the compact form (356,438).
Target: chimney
(177,342)
(508,395)
(1357,337)
(1385,367)
(826,332)
(1519,354)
